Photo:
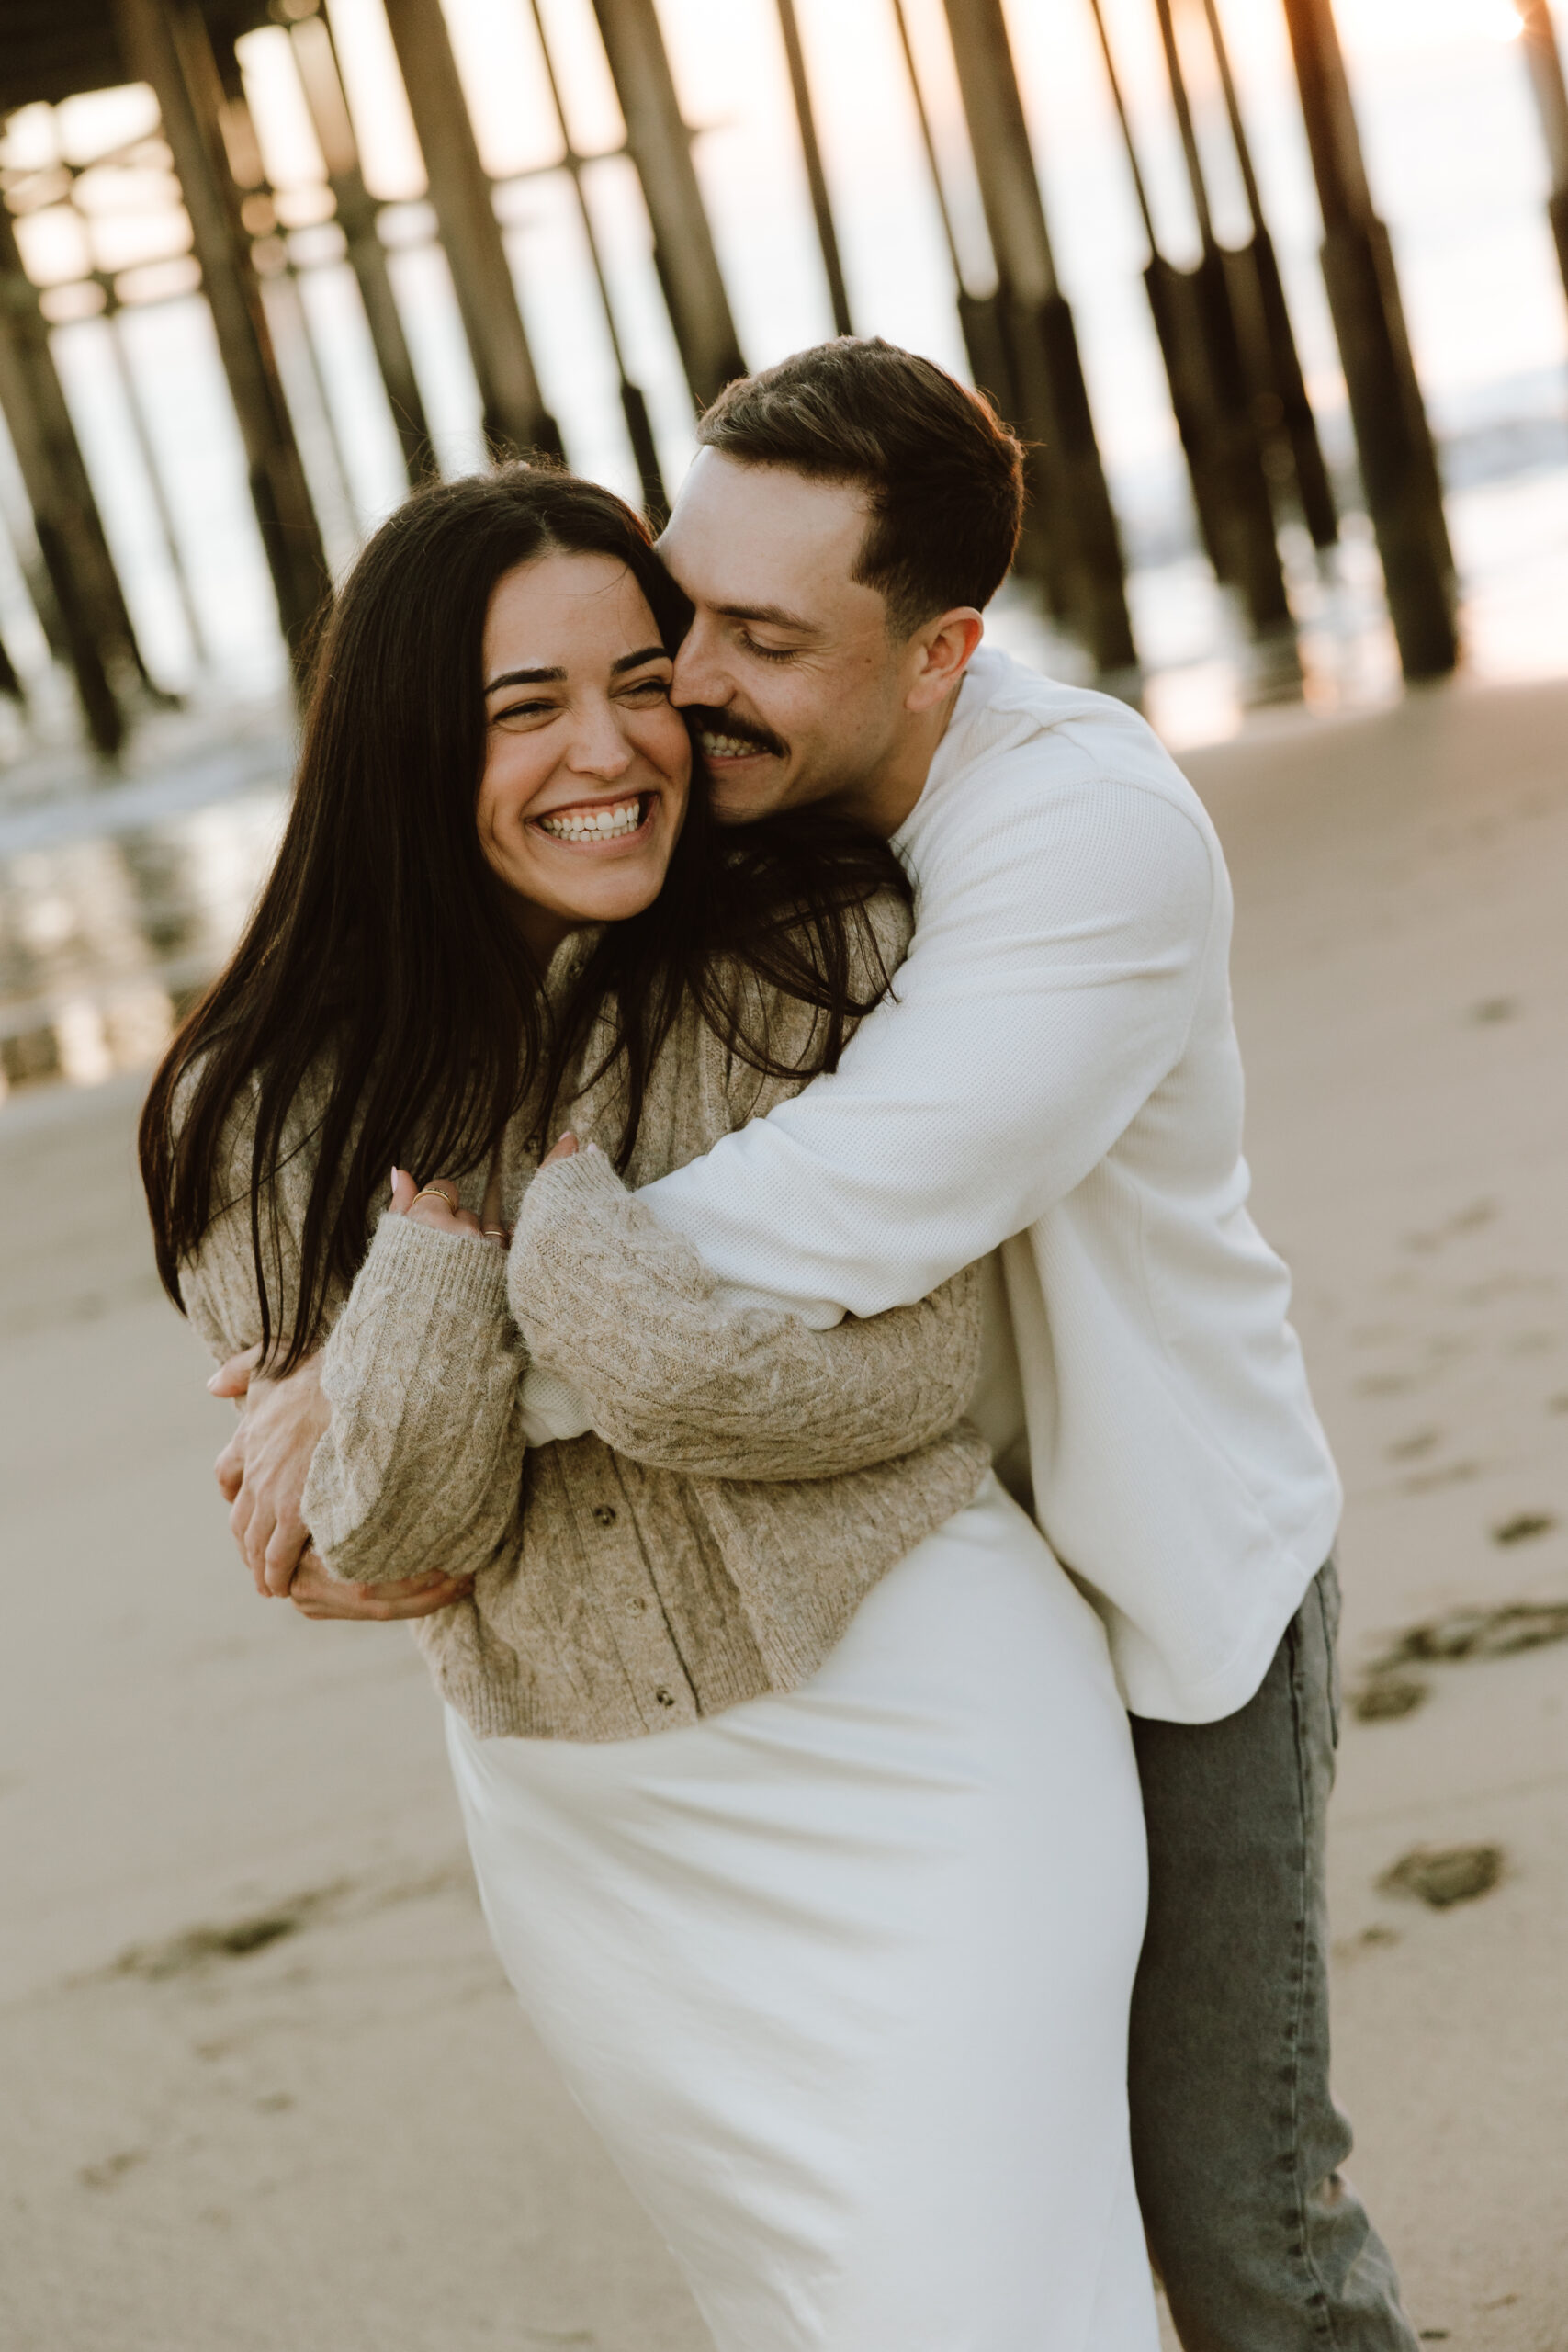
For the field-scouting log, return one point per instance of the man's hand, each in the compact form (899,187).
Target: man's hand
(318,1595)
(261,1472)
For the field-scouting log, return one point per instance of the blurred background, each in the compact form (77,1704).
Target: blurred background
(1278,293)
(264,265)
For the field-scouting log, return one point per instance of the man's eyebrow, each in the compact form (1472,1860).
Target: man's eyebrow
(772,615)
(526,678)
(636,660)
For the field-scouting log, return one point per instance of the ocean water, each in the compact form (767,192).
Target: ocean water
(118,897)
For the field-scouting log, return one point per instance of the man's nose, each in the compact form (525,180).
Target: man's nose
(699,676)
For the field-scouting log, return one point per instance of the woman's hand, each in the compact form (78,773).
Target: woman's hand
(318,1595)
(435,1205)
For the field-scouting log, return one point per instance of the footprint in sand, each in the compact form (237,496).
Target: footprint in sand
(1444,1875)
(1388,1690)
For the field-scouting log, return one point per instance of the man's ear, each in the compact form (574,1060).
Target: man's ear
(939,651)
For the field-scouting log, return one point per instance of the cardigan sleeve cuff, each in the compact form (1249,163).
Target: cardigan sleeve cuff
(423,1268)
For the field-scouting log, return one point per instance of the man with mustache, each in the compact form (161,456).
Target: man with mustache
(1054,1088)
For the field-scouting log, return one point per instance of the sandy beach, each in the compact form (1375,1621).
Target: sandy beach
(264,2083)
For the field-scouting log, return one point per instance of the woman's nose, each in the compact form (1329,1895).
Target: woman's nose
(599,746)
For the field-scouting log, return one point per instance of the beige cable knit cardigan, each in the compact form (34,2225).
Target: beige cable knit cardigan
(749,1479)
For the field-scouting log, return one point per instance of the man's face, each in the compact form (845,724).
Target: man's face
(799,689)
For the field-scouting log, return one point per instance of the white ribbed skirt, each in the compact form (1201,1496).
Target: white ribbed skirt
(842,1976)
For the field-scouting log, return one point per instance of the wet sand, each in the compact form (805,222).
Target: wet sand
(264,2083)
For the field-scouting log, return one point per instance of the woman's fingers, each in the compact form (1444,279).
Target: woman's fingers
(491,1221)
(239,1518)
(434,1204)
(317,1595)
(433,1211)
(234,1378)
(253,1523)
(230,1467)
(284,1548)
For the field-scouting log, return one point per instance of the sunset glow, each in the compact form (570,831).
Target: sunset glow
(1425,24)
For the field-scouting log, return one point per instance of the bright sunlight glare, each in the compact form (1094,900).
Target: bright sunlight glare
(1425,24)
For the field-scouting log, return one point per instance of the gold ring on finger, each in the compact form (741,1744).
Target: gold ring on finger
(434,1191)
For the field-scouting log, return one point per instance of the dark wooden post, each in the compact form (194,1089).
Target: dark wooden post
(660,146)
(1292,432)
(168,45)
(1245,513)
(514,411)
(1544,61)
(287,319)
(1079,525)
(89,612)
(1173,305)
(979,316)
(357,214)
(1399,466)
(816,179)
(634,406)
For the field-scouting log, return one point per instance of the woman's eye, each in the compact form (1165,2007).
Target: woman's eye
(648,690)
(522,710)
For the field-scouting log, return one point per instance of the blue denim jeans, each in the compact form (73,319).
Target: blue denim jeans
(1261,2243)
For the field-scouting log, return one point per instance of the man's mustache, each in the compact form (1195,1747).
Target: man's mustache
(707,721)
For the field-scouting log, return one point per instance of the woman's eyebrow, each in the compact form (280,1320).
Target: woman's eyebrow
(526,678)
(558,677)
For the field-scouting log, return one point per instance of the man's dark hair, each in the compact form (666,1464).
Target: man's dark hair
(944,475)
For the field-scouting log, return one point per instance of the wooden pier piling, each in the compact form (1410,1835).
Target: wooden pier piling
(1543,60)
(816,177)
(516,416)
(1399,466)
(357,214)
(1243,513)
(168,45)
(1073,513)
(979,315)
(88,616)
(660,147)
(1184,346)
(1281,408)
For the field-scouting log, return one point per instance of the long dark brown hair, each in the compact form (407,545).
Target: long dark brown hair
(383,948)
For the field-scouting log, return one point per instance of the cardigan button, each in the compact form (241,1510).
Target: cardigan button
(665,1698)
(605,1514)
(635,1605)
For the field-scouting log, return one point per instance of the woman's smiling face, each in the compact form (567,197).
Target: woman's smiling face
(587,767)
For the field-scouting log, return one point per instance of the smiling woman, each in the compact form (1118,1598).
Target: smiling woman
(491,763)
(587,767)
(785,1747)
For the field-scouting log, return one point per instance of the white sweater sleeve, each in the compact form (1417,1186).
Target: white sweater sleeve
(1059,947)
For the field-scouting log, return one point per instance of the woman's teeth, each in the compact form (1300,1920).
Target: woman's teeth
(595,824)
(728,747)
